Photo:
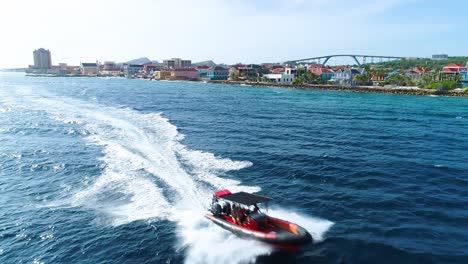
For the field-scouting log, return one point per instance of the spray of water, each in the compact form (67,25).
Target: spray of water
(148,173)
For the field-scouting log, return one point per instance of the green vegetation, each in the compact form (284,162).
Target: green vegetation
(400,80)
(234,76)
(443,85)
(306,77)
(362,79)
(428,63)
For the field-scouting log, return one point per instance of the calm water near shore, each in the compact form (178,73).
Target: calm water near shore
(120,171)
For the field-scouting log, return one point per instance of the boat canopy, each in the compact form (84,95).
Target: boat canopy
(222,193)
(246,198)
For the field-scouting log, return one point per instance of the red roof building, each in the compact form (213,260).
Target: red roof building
(318,70)
(454,68)
(277,70)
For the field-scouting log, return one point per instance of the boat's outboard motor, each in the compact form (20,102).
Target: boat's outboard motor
(216,208)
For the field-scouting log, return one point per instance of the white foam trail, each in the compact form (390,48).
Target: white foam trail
(148,174)
(317,227)
(208,243)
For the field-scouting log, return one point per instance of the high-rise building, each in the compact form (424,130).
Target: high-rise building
(177,63)
(42,59)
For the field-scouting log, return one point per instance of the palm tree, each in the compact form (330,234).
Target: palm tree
(361,79)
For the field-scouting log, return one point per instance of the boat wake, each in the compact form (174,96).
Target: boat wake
(148,174)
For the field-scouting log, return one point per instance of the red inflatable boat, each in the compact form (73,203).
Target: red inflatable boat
(239,213)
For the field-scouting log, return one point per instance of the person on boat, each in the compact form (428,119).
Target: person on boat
(242,215)
(227,208)
(256,209)
(234,213)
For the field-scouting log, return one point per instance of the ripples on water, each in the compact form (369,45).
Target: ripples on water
(120,170)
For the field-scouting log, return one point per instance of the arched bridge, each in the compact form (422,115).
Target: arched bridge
(364,58)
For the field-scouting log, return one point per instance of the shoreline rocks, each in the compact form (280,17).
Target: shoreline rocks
(364,89)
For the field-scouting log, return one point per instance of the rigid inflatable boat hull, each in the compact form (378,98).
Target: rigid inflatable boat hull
(281,239)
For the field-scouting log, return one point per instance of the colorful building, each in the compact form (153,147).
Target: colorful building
(187,74)
(345,76)
(325,73)
(202,71)
(130,70)
(217,73)
(456,69)
(161,75)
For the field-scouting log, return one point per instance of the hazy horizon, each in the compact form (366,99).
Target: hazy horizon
(226,31)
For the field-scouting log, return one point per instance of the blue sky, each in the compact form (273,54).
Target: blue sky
(229,31)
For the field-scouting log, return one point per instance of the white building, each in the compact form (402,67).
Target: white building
(285,77)
(346,76)
(177,63)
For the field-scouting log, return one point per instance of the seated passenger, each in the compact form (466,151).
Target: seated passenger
(234,213)
(227,208)
(256,209)
(242,218)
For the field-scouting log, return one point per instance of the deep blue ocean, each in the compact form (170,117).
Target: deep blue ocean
(96,170)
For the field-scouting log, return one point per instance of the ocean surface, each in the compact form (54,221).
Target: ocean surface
(96,170)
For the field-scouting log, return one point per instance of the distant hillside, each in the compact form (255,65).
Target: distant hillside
(142,60)
(428,63)
(208,63)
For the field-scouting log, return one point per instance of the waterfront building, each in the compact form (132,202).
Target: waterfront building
(108,65)
(245,71)
(416,73)
(42,59)
(217,73)
(161,74)
(202,71)
(323,72)
(89,68)
(188,74)
(345,76)
(456,69)
(74,70)
(110,68)
(177,63)
(277,70)
(285,77)
(151,67)
(412,75)
(339,67)
(278,78)
(131,70)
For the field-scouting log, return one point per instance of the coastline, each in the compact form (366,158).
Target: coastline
(362,89)
(326,87)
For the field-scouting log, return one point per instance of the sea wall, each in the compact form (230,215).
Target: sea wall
(364,89)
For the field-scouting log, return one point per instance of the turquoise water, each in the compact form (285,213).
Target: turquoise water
(121,171)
